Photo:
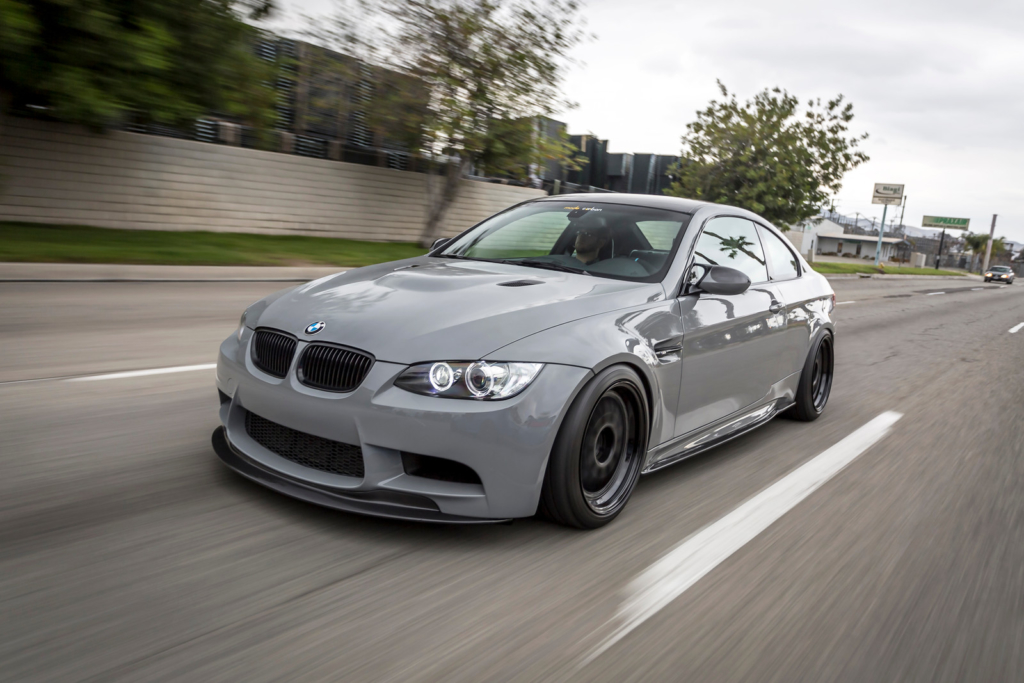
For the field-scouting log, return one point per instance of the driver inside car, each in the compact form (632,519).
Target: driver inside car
(591,238)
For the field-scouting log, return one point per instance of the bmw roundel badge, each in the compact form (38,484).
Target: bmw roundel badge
(313,328)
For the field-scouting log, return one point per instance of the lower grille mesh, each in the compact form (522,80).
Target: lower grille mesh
(305,449)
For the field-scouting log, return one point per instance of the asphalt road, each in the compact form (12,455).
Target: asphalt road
(128,553)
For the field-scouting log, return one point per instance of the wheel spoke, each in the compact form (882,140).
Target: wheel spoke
(609,458)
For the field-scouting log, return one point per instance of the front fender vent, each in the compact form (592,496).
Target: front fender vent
(520,283)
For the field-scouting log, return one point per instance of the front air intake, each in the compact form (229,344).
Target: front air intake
(333,368)
(272,351)
(305,449)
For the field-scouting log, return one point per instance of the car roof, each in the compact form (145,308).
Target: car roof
(653,201)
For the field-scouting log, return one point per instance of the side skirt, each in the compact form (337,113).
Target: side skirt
(713,435)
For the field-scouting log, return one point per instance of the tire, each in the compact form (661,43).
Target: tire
(815,381)
(599,451)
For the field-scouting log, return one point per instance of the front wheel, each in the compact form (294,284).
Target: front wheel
(815,381)
(598,453)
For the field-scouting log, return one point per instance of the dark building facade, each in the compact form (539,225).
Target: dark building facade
(595,171)
(601,171)
(640,173)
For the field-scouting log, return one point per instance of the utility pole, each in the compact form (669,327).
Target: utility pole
(988,249)
(938,257)
(881,231)
(903,210)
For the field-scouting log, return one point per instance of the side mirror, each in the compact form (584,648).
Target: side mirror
(438,243)
(723,280)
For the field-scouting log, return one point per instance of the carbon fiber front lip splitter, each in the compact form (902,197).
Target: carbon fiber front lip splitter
(238,462)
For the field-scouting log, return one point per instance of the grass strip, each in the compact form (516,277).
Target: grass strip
(829,268)
(44,243)
(41,243)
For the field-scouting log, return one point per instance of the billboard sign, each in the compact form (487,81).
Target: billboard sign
(887,193)
(947,223)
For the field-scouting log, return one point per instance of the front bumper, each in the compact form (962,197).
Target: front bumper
(505,442)
(414,508)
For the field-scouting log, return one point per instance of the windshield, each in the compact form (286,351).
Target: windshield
(999,269)
(606,240)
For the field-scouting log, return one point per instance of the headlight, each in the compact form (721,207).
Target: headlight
(988,274)
(241,324)
(479,380)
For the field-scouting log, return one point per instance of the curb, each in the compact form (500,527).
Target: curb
(879,276)
(114,273)
(102,272)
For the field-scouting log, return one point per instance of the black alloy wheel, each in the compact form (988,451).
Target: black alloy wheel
(599,451)
(821,375)
(608,456)
(816,381)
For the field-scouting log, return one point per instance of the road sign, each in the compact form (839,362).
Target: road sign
(888,194)
(947,223)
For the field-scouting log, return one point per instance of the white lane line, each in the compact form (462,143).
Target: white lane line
(688,562)
(1016,328)
(933,293)
(975,289)
(840,303)
(143,373)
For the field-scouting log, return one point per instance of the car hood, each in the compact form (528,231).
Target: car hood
(441,309)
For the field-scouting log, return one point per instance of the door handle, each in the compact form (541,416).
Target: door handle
(775,307)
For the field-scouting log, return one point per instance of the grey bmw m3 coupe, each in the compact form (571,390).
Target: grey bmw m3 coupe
(541,361)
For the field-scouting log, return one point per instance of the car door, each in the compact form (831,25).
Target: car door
(729,342)
(786,275)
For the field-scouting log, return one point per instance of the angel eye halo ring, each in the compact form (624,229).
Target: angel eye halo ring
(474,380)
(442,377)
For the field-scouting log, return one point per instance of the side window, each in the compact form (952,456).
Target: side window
(732,242)
(784,265)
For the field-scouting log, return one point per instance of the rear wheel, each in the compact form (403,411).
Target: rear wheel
(815,381)
(597,456)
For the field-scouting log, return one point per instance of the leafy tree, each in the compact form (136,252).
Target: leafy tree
(977,242)
(482,72)
(98,62)
(768,155)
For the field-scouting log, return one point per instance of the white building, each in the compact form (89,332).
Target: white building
(859,246)
(804,236)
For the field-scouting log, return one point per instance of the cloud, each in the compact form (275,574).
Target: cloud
(938,85)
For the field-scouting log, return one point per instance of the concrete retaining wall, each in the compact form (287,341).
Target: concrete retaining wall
(51,173)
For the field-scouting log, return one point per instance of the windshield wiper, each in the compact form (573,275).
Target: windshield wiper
(545,264)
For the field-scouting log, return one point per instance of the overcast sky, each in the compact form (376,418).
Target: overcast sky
(938,85)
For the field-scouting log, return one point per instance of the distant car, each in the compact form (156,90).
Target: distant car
(543,359)
(1000,274)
